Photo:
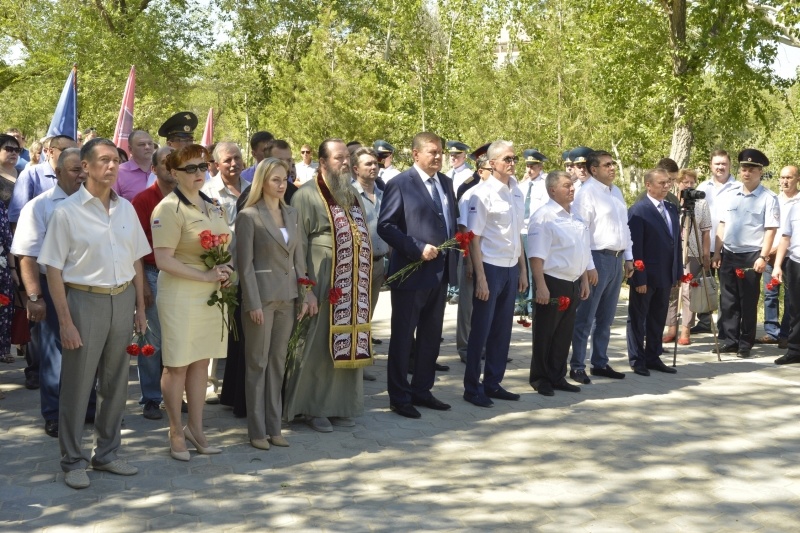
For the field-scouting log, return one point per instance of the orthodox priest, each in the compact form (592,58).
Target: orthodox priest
(325,382)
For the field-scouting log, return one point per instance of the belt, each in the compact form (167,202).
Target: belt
(615,253)
(113,291)
(376,258)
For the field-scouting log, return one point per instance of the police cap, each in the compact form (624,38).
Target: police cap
(180,124)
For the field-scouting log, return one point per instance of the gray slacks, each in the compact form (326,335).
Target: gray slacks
(466,289)
(265,360)
(105,324)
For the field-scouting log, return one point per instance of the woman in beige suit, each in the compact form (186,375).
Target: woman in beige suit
(270,259)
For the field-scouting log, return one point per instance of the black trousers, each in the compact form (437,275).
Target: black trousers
(738,299)
(552,332)
(791,284)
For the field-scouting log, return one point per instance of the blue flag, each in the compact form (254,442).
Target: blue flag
(65,118)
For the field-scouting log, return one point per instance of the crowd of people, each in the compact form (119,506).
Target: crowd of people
(278,267)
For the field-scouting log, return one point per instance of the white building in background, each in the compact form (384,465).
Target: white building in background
(505,50)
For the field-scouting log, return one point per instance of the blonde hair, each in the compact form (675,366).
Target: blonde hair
(263,171)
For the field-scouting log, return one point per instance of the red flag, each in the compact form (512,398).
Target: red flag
(125,119)
(208,132)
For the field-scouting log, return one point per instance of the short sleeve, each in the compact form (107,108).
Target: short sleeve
(166,224)
(476,214)
(772,213)
(539,238)
(55,248)
(30,230)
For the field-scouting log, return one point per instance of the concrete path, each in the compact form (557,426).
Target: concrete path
(715,447)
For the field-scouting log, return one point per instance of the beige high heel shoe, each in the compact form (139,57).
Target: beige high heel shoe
(210,450)
(178,456)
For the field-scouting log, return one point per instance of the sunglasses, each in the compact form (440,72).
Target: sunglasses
(305,151)
(191,169)
(12,149)
(485,168)
(509,159)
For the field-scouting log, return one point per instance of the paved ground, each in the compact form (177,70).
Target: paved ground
(714,448)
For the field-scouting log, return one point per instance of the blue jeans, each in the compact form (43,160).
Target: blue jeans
(491,328)
(601,306)
(150,367)
(772,326)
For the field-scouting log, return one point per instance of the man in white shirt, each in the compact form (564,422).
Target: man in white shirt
(385,153)
(45,345)
(559,256)
(226,187)
(720,182)
(777,330)
(459,170)
(498,262)
(306,168)
(92,251)
(535,194)
(601,206)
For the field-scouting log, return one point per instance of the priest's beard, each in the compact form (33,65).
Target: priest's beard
(339,185)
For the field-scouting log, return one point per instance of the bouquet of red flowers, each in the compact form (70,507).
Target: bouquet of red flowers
(562,302)
(215,254)
(459,242)
(140,345)
(299,330)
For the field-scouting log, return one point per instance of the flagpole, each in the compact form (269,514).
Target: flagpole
(75,83)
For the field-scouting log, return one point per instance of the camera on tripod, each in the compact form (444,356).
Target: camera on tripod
(690,197)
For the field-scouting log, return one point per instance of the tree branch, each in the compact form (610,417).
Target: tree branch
(104,14)
(788,35)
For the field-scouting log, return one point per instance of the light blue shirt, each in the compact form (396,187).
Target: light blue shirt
(747,216)
(32,182)
(372,212)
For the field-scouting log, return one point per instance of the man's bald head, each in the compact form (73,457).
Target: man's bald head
(790,170)
(788,180)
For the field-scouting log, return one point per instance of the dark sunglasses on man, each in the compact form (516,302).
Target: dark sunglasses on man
(12,149)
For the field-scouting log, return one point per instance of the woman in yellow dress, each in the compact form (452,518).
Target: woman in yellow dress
(190,328)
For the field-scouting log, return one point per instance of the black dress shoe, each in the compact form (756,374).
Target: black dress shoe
(51,428)
(661,367)
(607,372)
(405,409)
(699,328)
(32,381)
(744,353)
(501,394)
(478,399)
(788,359)
(432,403)
(566,386)
(726,348)
(441,368)
(376,341)
(640,370)
(580,376)
(544,388)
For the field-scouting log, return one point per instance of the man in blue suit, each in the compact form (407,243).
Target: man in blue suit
(656,235)
(417,215)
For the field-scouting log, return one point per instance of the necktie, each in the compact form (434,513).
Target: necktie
(437,200)
(528,201)
(663,211)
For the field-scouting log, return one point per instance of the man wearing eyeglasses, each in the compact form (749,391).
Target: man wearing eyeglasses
(601,206)
(495,216)
(306,168)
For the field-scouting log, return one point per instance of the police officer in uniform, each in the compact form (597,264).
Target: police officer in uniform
(580,171)
(179,129)
(459,170)
(385,153)
(535,193)
(475,179)
(568,164)
(749,219)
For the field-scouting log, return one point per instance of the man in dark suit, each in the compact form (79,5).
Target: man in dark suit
(656,235)
(417,215)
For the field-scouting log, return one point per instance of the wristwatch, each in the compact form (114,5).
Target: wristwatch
(765,258)
(34,297)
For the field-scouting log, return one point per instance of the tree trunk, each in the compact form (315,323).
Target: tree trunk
(682,135)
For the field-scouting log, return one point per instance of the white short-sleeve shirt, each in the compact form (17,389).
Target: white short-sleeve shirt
(495,213)
(561,239)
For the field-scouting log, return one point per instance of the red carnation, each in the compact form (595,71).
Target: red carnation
(695,284)
(687,278)
(638,265)
(148,350)
(463,240)
(563,303)
(740,273)
(334,294)
(4,300)
(306,282)
(132,349)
